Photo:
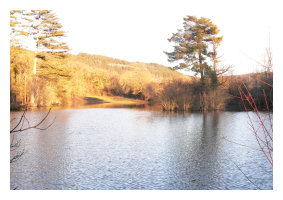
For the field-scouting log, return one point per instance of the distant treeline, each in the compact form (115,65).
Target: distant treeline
(60,81)
(257,86)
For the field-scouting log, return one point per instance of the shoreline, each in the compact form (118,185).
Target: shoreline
(87,102)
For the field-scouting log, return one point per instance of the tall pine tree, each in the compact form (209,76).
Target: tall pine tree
(46,30)
(195,48)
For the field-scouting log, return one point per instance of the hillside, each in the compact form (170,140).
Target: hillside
(60,82)
(68,81)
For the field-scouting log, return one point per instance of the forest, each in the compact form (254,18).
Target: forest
(51,76)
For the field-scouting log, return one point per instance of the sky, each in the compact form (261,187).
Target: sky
(138,30)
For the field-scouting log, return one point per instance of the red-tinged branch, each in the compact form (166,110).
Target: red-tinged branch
(243,173)
(250,147)
(257,113)
(270,160)
(264,82)
(268,111)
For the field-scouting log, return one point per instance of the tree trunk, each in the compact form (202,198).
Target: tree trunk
(202,84)
(215,99)
(33,92)
(25,95)
(33,87)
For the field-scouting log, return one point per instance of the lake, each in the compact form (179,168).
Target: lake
(126,148)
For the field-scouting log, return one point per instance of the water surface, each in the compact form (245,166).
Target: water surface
(120,148)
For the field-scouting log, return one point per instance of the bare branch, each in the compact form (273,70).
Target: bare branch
(19,121)
(32,127)
(15,145)
(17,156)
(223,69)
(243,173)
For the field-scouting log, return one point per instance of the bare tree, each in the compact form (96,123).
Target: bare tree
(19,127)
(261,124)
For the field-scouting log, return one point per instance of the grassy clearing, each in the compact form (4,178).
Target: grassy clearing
(111,100)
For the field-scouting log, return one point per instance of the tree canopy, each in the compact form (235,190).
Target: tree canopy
(46,29)
(195,45)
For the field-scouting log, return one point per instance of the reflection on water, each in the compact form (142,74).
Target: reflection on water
(111,148)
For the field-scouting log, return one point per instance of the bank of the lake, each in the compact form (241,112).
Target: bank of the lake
(89,102)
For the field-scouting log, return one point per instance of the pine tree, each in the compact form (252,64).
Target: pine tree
(195,47)
(194,42)
(46,30)
(17,28)
(44,27)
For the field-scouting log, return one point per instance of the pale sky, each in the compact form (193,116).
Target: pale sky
(138,30)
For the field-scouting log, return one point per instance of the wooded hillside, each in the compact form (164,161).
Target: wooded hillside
(51,76)
(85,75)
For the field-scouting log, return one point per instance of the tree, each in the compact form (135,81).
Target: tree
(195,47)
(46,30)
(17,28)
(14,28)
(18,66)
(44,27)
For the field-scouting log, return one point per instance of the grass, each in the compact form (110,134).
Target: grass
(114,100)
